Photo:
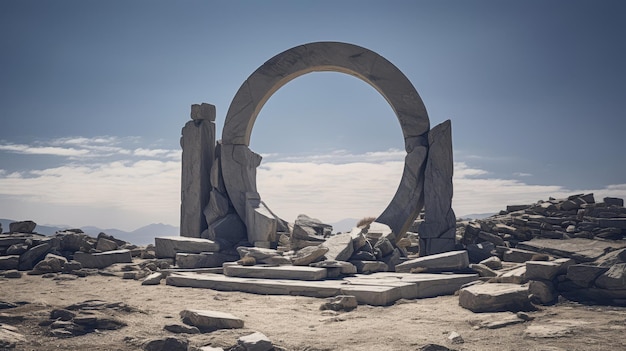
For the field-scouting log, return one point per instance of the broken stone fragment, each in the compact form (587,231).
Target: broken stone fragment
(482,270)
(494,298)
(169,246)
(22,227)
(308,255)
(153,279)
(166,344)
(614,278)
(547,270)
(339,303)
(446,261)
(542,292)
(181,329)
(255,342)
(210,320)
(339,246)
(103,259)
(51,264)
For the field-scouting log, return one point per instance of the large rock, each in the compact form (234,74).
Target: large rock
(210,320)
(584,275)
(166,344)
(103,259)
(437,232)
(169,246)
(494,297)
(198,144)
(51,264)
(446,261)
(33,255)
(203,260)
(339,246)
(22,227)
(579,249)
(9,262)
(255,342)
(614,278)
(320,228)
(308,255)
(547,270)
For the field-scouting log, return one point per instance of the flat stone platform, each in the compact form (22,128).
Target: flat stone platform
(377,289)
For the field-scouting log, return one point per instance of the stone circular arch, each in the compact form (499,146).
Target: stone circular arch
(239,163)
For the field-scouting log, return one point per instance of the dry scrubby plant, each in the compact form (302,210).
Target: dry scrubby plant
(365,221)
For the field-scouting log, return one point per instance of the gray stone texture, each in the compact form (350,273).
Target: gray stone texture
(22,227)
(446,261)
(198,144)
(169,246)
(255,342)
(494,297)
(210,320)
(260,221)
(437,232)
(33,255)
(103,259)
(339,246)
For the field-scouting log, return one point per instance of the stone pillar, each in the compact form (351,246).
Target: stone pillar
(409,199)
(198,144)
(437,232)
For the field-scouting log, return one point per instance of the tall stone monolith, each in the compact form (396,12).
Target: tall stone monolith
(198,144)
(437,232)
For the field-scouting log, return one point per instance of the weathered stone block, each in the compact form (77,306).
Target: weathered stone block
(447,261)
(614,278)
(211,320)
(521,256)
(260,221)
(366,267)
(547,270)
(614,201)
(198,144)
(278,272)
(255,342)
(542,291)
(583,274)
(203,260)
(203,111)
(229,229)
(339,246)
(308,255)
(103,259)
(33,255)
(22,227)
(494,297)
(169,246)
(106,245)
(9,262)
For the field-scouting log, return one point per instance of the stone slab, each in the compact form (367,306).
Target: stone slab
(378,289)
(424,284)
(169,246)
(103,259)
(579,249)
(205,319)
(376,295)
(275,272)
(447,261)
(494,297)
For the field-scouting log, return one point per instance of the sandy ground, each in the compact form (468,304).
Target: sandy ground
(296,323)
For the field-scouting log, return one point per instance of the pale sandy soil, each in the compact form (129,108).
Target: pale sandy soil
(296,323)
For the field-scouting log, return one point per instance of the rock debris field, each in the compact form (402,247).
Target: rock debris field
(544,276)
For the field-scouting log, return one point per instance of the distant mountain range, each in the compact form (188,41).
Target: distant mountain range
(142,236)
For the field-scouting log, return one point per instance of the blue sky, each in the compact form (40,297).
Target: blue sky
(93,95)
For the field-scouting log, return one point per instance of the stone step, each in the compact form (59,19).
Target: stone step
(275,272)
(378,289)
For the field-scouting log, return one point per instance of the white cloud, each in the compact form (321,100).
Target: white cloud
(522,174)
(142,189)
(42,150)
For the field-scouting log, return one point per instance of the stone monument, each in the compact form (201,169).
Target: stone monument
(219,194)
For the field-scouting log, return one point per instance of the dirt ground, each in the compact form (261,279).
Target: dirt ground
(296,323)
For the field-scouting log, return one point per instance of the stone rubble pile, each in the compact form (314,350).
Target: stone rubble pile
(532,254)
(70,252)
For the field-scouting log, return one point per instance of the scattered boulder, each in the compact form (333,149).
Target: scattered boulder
(210,320)
(255,342)
(447,261)
(22,227)
(494,297)
(103,259)
(166,344)
(339,303)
